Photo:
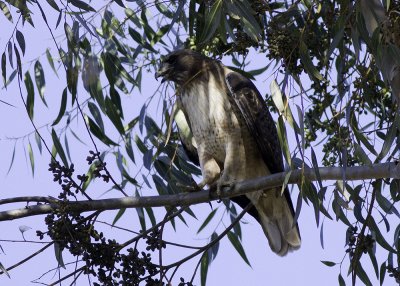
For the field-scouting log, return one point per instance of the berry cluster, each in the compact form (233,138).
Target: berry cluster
(103,257)
(355,240)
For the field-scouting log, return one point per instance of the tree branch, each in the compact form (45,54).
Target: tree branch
(376,171)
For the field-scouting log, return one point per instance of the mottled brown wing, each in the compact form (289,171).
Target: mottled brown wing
(259,121)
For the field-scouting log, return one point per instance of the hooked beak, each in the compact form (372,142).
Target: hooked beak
(162,72)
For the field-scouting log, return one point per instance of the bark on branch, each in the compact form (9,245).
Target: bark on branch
(376,171)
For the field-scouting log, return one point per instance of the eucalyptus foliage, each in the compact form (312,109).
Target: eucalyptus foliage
(335,66)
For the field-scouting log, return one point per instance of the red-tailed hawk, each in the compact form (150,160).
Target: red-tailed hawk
(234,136)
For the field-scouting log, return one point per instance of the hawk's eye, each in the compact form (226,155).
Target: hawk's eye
(170,59)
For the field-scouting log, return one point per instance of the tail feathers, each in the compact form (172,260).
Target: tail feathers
(276,219)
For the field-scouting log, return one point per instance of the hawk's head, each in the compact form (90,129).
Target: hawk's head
(181,66)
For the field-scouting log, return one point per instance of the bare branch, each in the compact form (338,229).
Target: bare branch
(376,171)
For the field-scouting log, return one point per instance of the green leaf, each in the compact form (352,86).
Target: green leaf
(51,62)
(72,81)
(212,21)
(21,41)
(62,107)
(31,158)
(360,272)
(40,81)
(96,115)
(238,246)
(4,68)
(114,115)
(152,218)
(382,273)
(341,280)
(6,13)
(82,5)
(374,262)
(379,237)
(361,155)
(58,253)
(338,37)
(19,65)
(204,268)
(53,4)
(118,216)
(10,53)
(390,136)
(328,263)
(58,147)
(207,220)
(282,135)
(12,159)
(30,101)
(2,268)
(307,62)
(316,168)
(96,131)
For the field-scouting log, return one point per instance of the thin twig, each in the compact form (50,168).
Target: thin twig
(28,258)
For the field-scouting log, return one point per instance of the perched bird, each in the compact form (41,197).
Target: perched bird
(232,136)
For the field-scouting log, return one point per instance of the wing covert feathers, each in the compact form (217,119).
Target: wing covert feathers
(276,213)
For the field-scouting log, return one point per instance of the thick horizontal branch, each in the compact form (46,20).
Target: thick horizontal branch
(376,171)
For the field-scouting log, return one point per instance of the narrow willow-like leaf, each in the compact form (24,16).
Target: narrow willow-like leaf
(30,101)
(215,247)
(53,4)
(19,65)
(82,5)
(4,68)
(341,280)
(21,41)
(360,272)
(328,263)
(96,131)
(40,80)
(282,135)
(379,237)
(204,268)
(6,13)
(51,62)
(382,273)
(212,21)
(307,62)
(58,147)
(62,107)
(374,262)
(38,142)
(321,235)
(238,246)
(12,159)
(113,115)
(390,136)
(96,115)
(316,168)
(207,220)
(31,158)
(10,53)
(361,155)
(118,216)
(152,218)
(2,268)
(58,254)
(129,149)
